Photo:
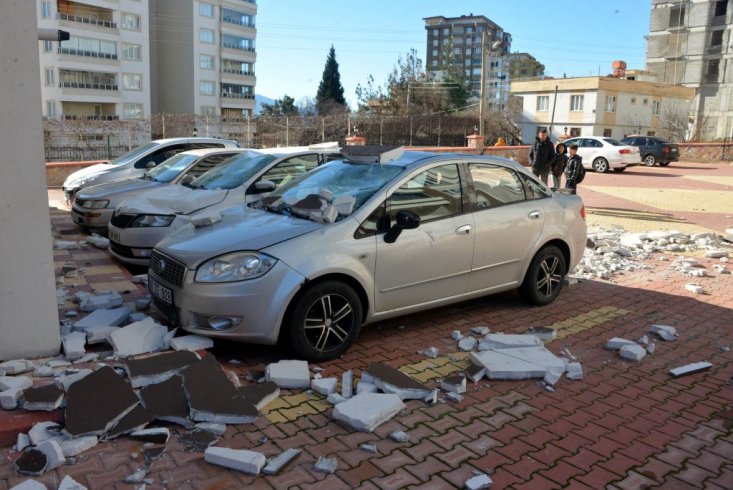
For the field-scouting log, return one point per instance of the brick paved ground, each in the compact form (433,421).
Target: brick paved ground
(625,425)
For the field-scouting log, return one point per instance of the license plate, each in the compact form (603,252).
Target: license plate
(161,292)
(114,235)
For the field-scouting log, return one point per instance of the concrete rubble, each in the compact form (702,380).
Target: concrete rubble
(326,465)
(69,483)
(694,287)
(391,380)
(99,301)
(478,482)
(367,411)
(138,338)
(347,384)
(692,368)
(324,386)
(289,374)
(113,317)
(249,462)
(157,368)
(664,332)
(191,343)
(399,436)
(431,352)
(43,398)
(633,352)
(515,356)
(277,464)
(74,345)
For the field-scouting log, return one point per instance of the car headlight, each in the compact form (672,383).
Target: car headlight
(80,182)
(238,266)
(97,204)
(152,221)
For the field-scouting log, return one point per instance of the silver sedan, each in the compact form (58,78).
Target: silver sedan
(354,241)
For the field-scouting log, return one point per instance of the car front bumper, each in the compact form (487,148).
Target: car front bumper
(91,218)
(134,245)
(244,311)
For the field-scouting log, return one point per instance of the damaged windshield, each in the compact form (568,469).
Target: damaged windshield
(331,192)
(171,168)
(133,154)
(234,172)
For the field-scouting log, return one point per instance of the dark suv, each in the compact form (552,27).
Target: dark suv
(654,150)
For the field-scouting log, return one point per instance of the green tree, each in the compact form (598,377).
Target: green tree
(330,95)
(281,107)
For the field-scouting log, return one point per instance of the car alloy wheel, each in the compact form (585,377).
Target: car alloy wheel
(650,160)
(545,275)
(325,320)
(600,165)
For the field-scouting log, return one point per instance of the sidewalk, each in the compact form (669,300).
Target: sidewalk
(626,424)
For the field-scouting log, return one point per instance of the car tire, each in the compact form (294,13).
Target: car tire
(619,170)
(600,165)
(664,164)
(314,335)
(649,160)
(544,278)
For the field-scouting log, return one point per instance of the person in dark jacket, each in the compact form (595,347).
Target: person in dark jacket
(573,169)
(558,167)
(541,156)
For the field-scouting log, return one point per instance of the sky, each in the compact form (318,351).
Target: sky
(571,37)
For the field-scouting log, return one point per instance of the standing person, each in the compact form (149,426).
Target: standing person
(541,156)
(558,168)
(574,170)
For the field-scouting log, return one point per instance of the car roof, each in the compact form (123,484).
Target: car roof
(191,139)
(202,152)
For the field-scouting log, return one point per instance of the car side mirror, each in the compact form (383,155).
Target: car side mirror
(187,179)
(406,220)
(265,185)
(150,164)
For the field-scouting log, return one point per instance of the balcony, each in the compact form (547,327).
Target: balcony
(88,86)
(87,20)
(235,95)
(90,54)
(235,71)
(90,117)
(230,16)
(237,46)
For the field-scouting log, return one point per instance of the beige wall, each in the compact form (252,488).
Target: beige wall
(29,323)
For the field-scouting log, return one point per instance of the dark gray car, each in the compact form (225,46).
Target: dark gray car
(654,150)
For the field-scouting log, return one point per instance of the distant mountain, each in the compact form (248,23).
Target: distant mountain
(259,100)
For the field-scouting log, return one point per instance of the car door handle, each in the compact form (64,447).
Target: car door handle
(534,214)
(464,230)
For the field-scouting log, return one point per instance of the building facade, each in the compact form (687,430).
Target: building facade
(459,40)
(203,57)
(599,106)
(523,66)
(103,71)
(690,44)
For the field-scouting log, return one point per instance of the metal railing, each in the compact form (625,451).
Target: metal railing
(87,20)
(238,22)
(234,95)
(90,117)
(88,86)
(237,46)
(237,72)
(91,54)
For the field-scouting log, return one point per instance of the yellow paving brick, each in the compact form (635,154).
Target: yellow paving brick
(674,199)
(719,179)
(113,286)
(422,365)
(276,404)
(427,375)
(296,399)
(447,369)
(579,323)
(276,417)
(440,361)
(103,269)
(408,369)
(294,413)
(319,405)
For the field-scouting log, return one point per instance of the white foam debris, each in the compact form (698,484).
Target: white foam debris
(100,301)
(543,333)
(644,339)
(140,279)
(276,464)
(363,387)
(347,384)
(99,334)
(633,352)
(15,382)
(344,204)
(64,382)
(16,366)
(367,411)
(54,455)
(454,384)
(98,241)
(616,343)
(454,397)
(214,428)
(10,399)
(430,352)
(517,362)
(22,442)
(432,397)
(693,287)
(692,368)
(73,345)
(324,386)
(467,344)
(335,399)
(138,338)
(478,482)
(480,330)
(249,462)
(191,343)
(65,245)
(496,341)
(475,373)
(29,484)
(207,219)
(650,348)
(69,483)
(370,448)
(665,332)
(289,374)
(326,465)
(137,476)
(399,436)
(574,371)
(456,335)
(113,317)
(72,447)
(43,431)
(716,254)
(552,376)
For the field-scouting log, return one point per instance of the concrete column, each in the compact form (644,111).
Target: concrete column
(29,323)
(355,141)
(475,141)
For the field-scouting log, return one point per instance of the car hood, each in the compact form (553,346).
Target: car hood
(93,169)
(100,191)
(240,228)
(173,199)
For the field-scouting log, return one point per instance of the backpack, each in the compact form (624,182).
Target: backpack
(581,174)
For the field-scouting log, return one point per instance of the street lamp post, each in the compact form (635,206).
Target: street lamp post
(486,50)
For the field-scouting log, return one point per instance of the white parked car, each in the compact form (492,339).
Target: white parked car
(139,223)
(353,242)
(603,154)
(135,162)
(93,206)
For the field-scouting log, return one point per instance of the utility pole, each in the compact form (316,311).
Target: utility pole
(484,64)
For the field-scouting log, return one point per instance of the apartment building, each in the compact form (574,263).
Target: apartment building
(597,106)
(523,66)
(460,39)
(103,71)
(203,57)
(690,44)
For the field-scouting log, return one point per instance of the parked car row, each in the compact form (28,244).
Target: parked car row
(308,246)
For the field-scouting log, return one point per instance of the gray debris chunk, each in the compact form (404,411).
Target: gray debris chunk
(30,484)
(98,241)
(347,384)
(137,477)
(517,363)
(249,462)
(716,254)
(10,399)
(138,338)
(54,363)
(140,279)
(644,340)
(72,447)
(69,483)
(651,347)
(73,344)
(552,376)
(456,335)
(496,341)
(363,387)
(43,372)
(324,386)
(54,455)
(616,343)
(22,441)
(103,300)
(633,352)
(289,374)
(276,464)
(664,332)
(216,429)
(694,288)
(478,482)
(66,381)
(335,399)
(399,436)
(326,465)
(475,373)
(43,431)
(574,371)
(17,366)
(367,411)
(370,448)
(138,317)
(143,304)
(192,343)
(15,382)
(103,318)
(480,330)
(544,333)
(467,344)
(430,352)
(454,384)
(693,368)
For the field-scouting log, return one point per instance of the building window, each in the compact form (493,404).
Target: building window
(47,46)
(677,16)
(238,18)
(721,7)
(576,102)
(436,43)
(208,110)
(716,38)
(46,9)
(633,100)
(131,52)
(132,81)
(206,9)
(543,103)
(645,101)
(50,108)
(574,132)
(607,133)
(206,61)
(49,76)
(206,87)
(655,107)
(711,74)
(651,133)
(206,36)
(130,21)
(235,42)
(611,103)
(435,53)
(132,111)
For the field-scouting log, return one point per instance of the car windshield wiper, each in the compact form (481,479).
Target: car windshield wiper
(146,176)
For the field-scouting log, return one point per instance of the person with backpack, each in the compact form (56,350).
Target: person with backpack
(574,171)
(541,156)
(558,166)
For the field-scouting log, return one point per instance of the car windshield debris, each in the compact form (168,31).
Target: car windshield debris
(331,192)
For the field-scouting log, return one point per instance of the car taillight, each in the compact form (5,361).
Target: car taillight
(625,151)
(582,212)
(665,150)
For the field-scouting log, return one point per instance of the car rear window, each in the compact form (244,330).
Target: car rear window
(613,142)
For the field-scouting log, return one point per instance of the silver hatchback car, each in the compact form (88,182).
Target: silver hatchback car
(366,238)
